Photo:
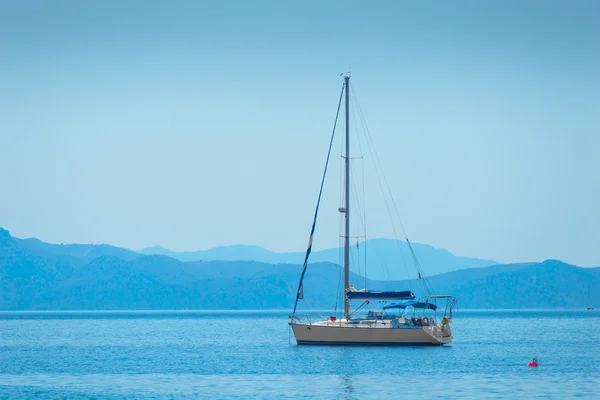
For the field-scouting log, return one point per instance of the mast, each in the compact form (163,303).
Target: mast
(347,204)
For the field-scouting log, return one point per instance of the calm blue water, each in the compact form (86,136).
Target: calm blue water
(247,355)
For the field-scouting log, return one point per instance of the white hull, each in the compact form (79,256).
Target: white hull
(344,334)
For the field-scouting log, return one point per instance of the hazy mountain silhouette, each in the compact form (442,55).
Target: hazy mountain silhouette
(386,258)
(36,275)
(82,251)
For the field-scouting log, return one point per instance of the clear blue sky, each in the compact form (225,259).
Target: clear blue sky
(192,124)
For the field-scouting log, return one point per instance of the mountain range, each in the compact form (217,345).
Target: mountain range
(386,258)
(35,275)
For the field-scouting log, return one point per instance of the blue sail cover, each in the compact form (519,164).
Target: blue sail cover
(370,295)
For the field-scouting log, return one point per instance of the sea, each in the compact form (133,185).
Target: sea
(252,355)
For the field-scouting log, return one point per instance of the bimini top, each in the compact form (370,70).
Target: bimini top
(370,295)
(414,304)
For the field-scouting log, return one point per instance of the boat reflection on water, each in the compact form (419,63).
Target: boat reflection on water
(348,387)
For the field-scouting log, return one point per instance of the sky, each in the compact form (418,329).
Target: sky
(194,124)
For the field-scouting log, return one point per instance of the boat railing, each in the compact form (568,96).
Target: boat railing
(305,318)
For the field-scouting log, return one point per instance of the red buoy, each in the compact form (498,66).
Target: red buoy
(533,363)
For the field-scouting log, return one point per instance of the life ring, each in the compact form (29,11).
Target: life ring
(425,321)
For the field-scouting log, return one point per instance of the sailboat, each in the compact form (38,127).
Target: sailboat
(406,321)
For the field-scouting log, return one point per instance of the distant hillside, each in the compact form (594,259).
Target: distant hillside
(549,284)
(84,251)
(35,275)
(385,257)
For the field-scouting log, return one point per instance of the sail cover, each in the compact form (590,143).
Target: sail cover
(370,295)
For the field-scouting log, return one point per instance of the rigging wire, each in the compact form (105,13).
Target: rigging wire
(364,216)
(354,108)
(364,197)
(355,258)
(422,278)
(339,293)
(373,152)
(379,169)
(299,292)
(354,192)
(340,271)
